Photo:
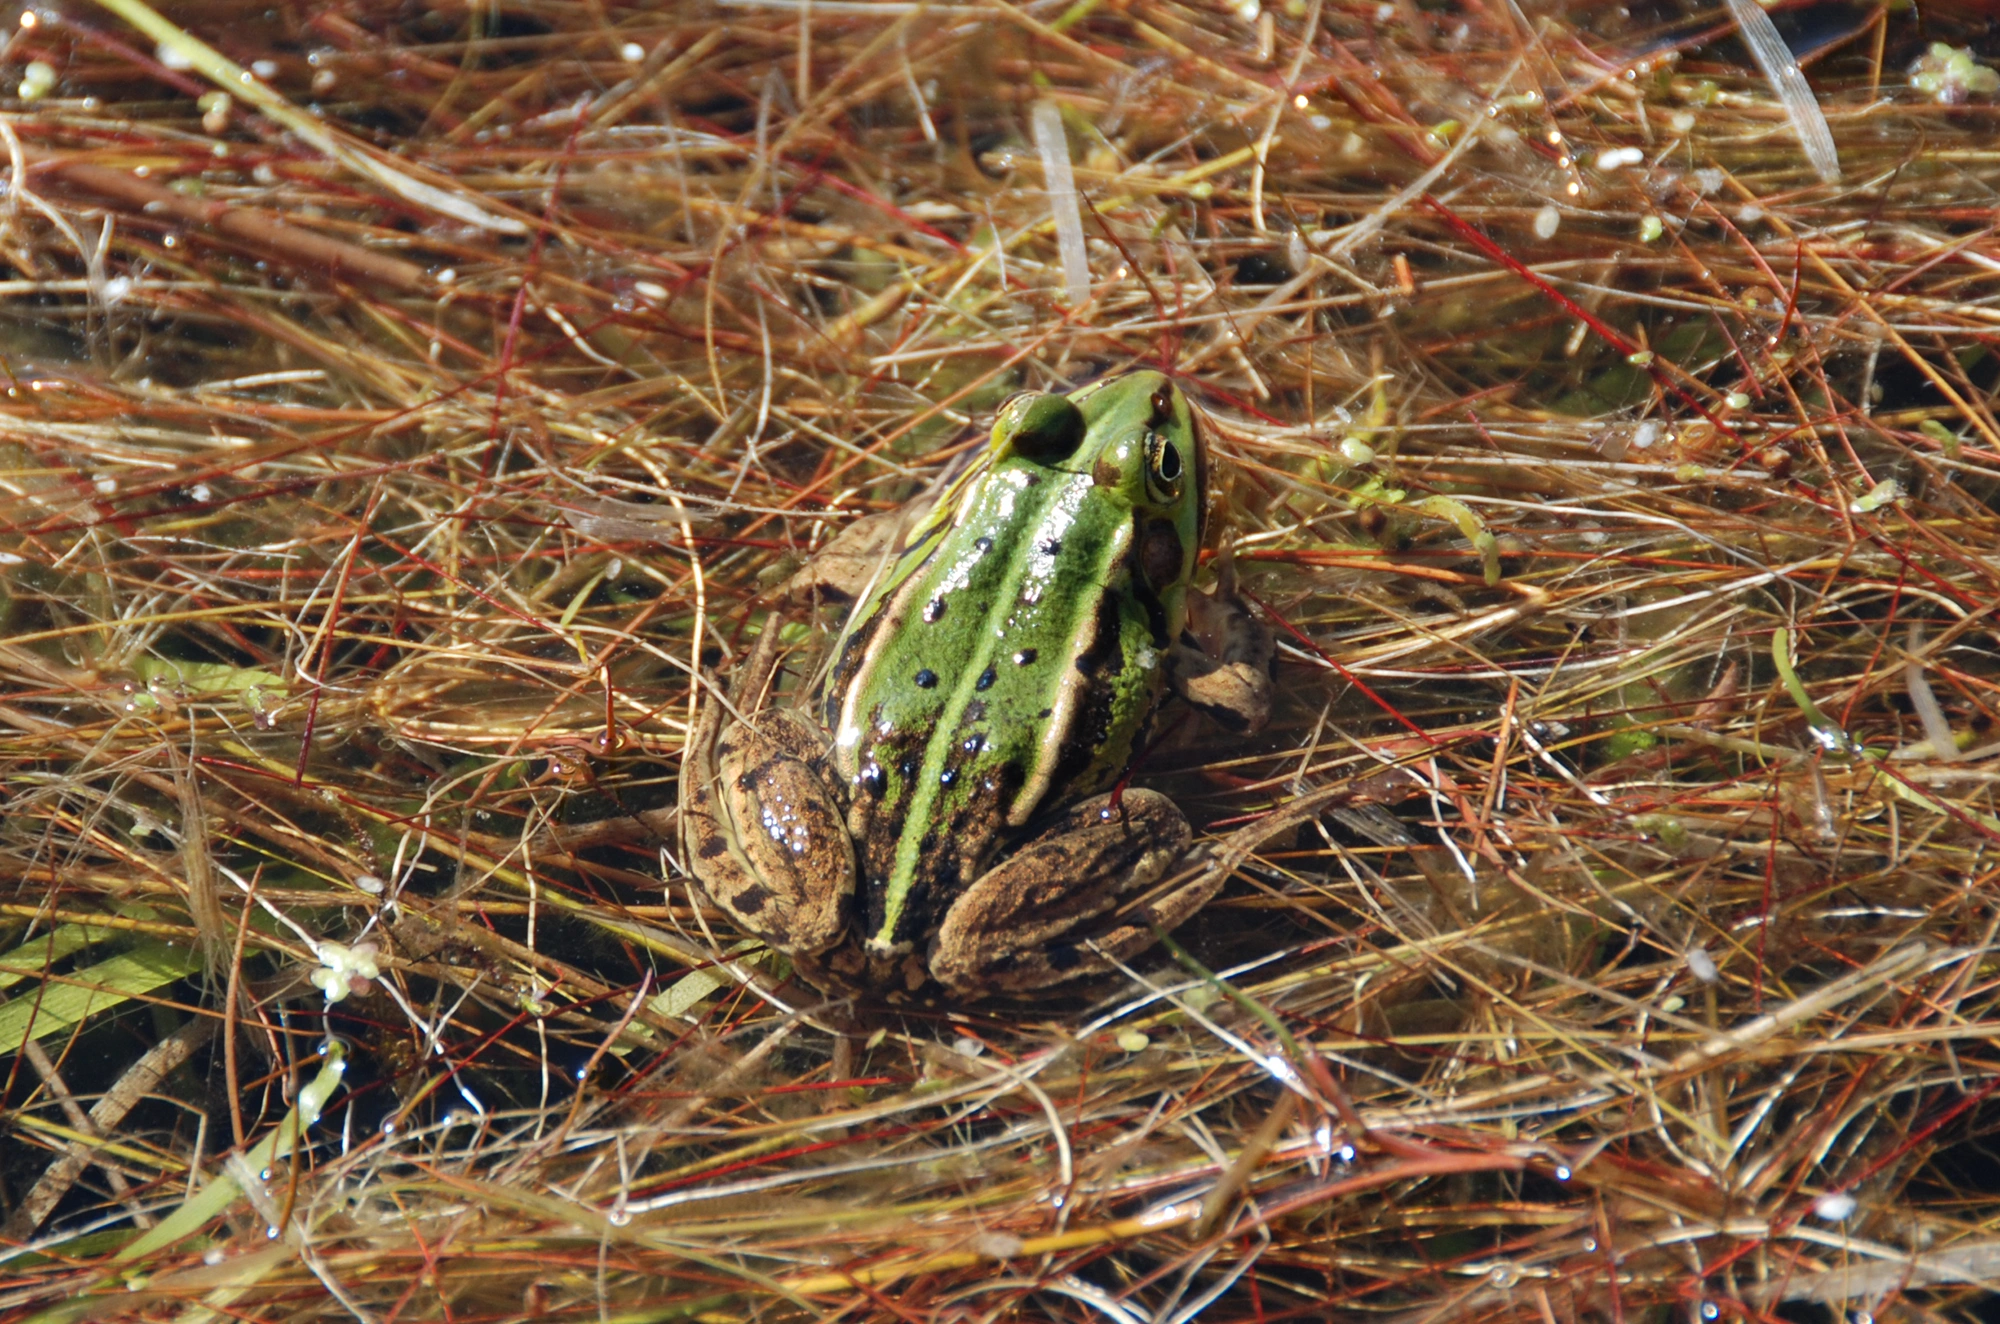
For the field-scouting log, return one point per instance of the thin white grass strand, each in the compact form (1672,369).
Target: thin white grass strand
(1768,49)
(1937,727)
(1053,144)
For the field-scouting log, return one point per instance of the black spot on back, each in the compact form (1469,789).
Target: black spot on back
(985,681)
(934,610)
(751,900)
(711,848)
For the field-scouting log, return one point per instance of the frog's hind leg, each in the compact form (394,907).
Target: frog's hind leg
(1050,911)
(763,831)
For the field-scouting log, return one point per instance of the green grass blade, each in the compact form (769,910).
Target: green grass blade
(66,1000)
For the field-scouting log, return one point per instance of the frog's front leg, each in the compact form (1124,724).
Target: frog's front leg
(1045,913)
(852,558)
(1222,662)
(764,834)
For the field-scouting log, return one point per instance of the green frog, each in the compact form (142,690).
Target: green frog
(945,817)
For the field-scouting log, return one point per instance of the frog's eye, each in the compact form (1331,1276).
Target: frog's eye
(1165,469)
(1038,426)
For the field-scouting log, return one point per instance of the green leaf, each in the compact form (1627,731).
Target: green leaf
(692,988)
(1825,730)
(208,677)
(222,1190)
(30,960)
(1629,741)
(65,1000)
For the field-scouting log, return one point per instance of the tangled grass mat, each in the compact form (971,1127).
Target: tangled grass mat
(401,404)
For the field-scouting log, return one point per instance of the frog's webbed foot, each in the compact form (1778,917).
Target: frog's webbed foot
(1222,662)
(850,969)
(1236,694)
(1049,912)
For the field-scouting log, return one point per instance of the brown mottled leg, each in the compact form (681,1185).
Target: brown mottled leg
(764,834)
(1029,922)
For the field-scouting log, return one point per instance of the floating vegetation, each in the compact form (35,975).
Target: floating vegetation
(403,403)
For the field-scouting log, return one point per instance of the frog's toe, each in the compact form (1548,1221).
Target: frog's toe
(1236,694)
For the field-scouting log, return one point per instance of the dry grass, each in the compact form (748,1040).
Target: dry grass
(1617,895)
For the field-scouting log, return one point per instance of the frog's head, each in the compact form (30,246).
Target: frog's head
(1139,440)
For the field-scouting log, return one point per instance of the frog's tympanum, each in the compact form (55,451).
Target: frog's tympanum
(946,817)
